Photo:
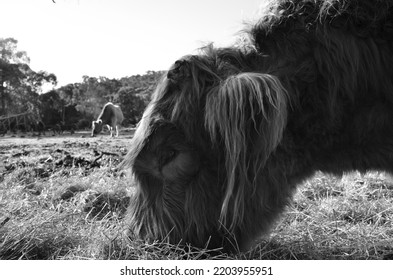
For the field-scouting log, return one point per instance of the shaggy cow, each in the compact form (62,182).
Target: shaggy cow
(112,116)
(231,132)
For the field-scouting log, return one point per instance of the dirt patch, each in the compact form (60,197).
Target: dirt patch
(45,155)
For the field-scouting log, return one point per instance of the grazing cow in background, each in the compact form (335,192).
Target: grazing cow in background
(112,116)
(231,132)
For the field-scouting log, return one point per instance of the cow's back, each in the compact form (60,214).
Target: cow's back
(111,114)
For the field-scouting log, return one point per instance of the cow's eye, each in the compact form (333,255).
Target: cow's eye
(168,155)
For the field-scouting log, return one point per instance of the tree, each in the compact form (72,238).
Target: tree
(19,84)
(133,102)
(51,108)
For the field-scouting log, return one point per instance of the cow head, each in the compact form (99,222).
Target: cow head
(96,127)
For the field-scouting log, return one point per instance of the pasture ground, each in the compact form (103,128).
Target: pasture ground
(62,198)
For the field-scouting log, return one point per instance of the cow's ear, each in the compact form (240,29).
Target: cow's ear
(243,107)
(99,121)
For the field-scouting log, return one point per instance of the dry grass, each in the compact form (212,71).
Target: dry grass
(57,201)
(336,218)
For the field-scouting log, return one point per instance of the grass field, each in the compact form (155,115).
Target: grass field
(62,198)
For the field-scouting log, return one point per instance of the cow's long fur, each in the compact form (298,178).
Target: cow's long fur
(231,132)
(112,116)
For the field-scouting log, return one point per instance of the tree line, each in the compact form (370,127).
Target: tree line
(75,104)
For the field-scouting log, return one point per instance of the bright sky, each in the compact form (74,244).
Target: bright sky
(118,38)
